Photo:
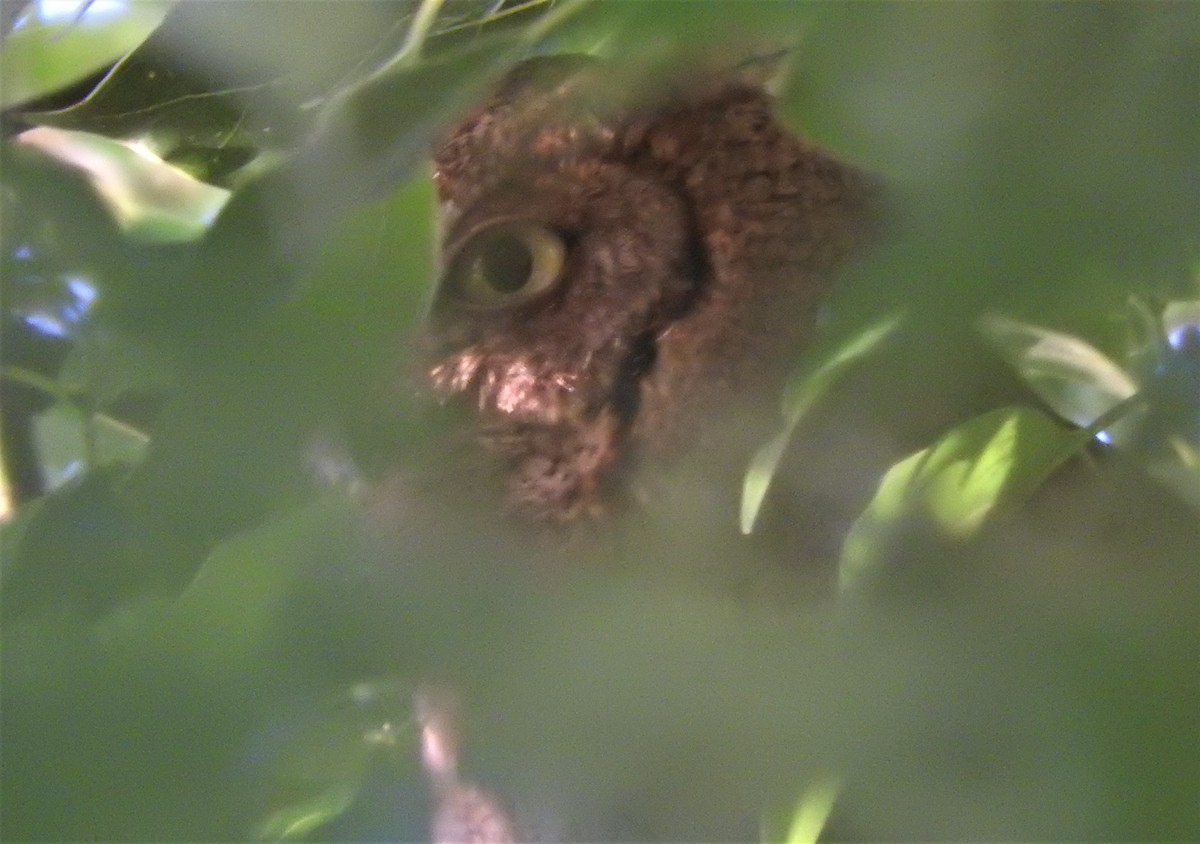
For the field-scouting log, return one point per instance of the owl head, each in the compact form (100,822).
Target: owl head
(614,266)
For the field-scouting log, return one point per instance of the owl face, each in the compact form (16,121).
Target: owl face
(595,276)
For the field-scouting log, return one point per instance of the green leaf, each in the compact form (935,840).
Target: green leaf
(69,440)
(803,393)
(993,461)
(1076,380)
(801,396)
(220,75)
(231,612)
(813,811)
(105,365)
(151,200)
(64,227)
(367,138)
(1182,475)
(43,55)
(231,443)
(13,528)
(73,548)
(317,773)
(759,475)
(296,820)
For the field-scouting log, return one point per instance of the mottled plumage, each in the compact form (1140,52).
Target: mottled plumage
(617,265)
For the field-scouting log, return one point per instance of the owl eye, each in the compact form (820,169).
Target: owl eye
(507,263)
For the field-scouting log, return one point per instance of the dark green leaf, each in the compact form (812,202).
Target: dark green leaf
(104,366)
(230,616)
(74,550)
(318,771)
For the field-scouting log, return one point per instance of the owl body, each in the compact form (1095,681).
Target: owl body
(616,267)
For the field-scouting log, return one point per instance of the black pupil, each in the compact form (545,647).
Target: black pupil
(506,263)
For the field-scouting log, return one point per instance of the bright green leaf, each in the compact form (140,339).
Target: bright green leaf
(759,476)
(43,55)
(150,199)
(813,811)
(1075,379)
(993,461)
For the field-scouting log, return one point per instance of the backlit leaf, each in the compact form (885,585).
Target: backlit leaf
(812,812)
(801,396)
(151,200)
(993,461)
(1076,380)
(48,52)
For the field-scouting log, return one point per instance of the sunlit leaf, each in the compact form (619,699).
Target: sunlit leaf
(47,53)
(1075,379)
(150,199)
(993,461)
(759,475)
(812,812)
(801,396)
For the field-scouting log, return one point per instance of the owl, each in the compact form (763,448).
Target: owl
(619,265)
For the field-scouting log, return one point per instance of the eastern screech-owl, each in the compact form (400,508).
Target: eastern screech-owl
(616,265)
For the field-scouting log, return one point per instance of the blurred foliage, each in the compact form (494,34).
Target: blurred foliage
(993,460)
(801,397)
(49,52)
(218,598)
